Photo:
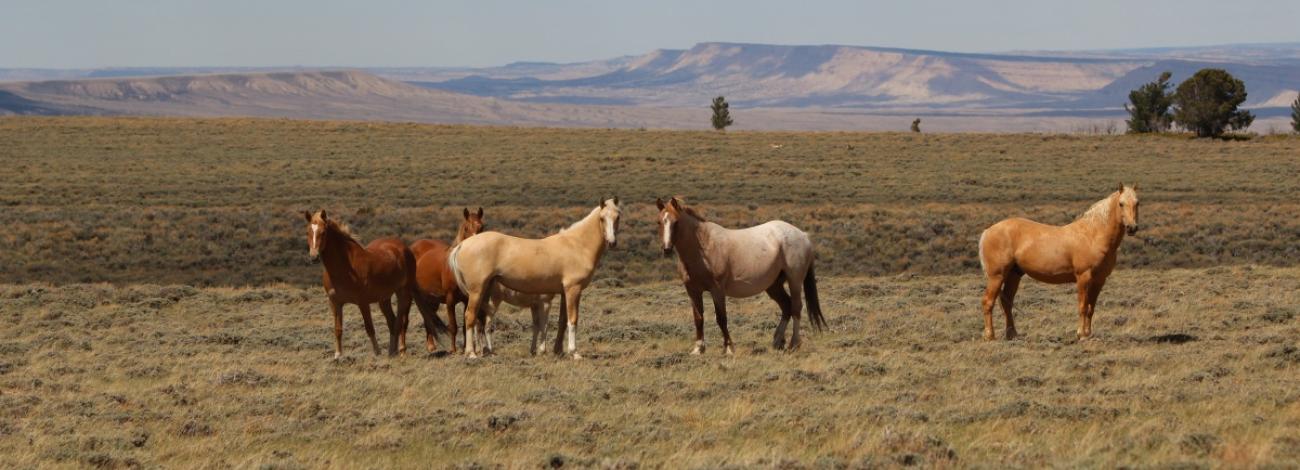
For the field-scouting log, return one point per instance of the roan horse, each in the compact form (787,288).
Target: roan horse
(434,282)
(1082,252)
(740,263)
(361,275)
(559,264)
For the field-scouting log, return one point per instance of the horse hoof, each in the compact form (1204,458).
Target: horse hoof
(697,351)
(1011,335)
(577,356)
(729,351)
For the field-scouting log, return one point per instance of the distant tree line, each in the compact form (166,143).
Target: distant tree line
(1207,104)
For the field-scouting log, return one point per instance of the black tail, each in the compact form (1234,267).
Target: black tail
(814,306)
(429,311)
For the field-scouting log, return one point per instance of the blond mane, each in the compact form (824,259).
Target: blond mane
(1100,210)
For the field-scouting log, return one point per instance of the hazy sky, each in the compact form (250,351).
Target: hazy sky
(98,33)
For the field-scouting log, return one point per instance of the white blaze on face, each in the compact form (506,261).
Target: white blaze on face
(668,231)
(610,218)
(315,236)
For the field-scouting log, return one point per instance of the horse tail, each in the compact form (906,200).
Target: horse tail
(983,267)
(814,305)
(455,268)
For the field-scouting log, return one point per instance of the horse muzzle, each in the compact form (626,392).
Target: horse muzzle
(668,252)
(611,245)
(314,258)
(1132,229)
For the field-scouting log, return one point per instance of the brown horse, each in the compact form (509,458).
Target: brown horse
(740,263)
(1082,252)
(434,282)
(361,275)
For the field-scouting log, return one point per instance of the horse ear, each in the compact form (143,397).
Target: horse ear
(616,200)
(1135,186)
(659,202)
(1121,186)
(322,215)
(602,204)
(676,205)
(466,213)
(480,212)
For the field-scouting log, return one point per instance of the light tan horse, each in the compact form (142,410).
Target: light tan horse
(1082,252)
(740,263)
(559,264)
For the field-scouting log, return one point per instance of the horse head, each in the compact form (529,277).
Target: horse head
(609,217)
(1128,208)
(668,214)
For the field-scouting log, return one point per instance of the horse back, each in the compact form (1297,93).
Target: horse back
(391,262)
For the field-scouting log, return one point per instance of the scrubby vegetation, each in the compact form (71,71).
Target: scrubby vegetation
(216,202)
(1190,368)
(158,362)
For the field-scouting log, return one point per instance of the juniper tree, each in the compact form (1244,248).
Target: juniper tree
(1207,103)
(721,113)
(1150,107)
(1295,114)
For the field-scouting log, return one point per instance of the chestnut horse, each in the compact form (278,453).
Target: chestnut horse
(1082,252)
(435,284)
(740,263)
(559,264)
(361,275)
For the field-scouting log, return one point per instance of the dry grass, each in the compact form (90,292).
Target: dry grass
(217,202)
(1191,367)
(1195,363)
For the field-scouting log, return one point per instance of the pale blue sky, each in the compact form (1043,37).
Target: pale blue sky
(99,33)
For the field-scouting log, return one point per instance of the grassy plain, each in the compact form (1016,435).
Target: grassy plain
(217,202)
(1190,368)
(157,308)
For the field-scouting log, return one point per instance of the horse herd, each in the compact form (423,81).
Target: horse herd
(483,269)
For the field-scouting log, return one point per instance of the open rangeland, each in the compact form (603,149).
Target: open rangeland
(212,345)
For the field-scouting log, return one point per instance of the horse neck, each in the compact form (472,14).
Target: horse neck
(588,234)
(341,252)
(690,237)
(1110,229)
(460,236)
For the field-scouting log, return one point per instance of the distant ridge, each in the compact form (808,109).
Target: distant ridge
(769,86)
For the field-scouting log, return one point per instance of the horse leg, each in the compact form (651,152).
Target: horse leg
(427,310)
(452,329)
(561,325)
(395,337)
(572,298)
(471,323)
(796,305)
(697,312)
(720,314)
(1093,293)
(489,313)
(1009,288)
(370,326)
(337,309)
(777,293)
(1084,283)
(544,319)
(991,291)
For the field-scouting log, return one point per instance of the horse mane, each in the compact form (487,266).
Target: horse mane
(690,210)
(342,229)
(1100,210)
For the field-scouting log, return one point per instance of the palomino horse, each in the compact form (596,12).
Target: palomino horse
(559,264)
(434,282)
(361,275)
(1082,252)
(740,263)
